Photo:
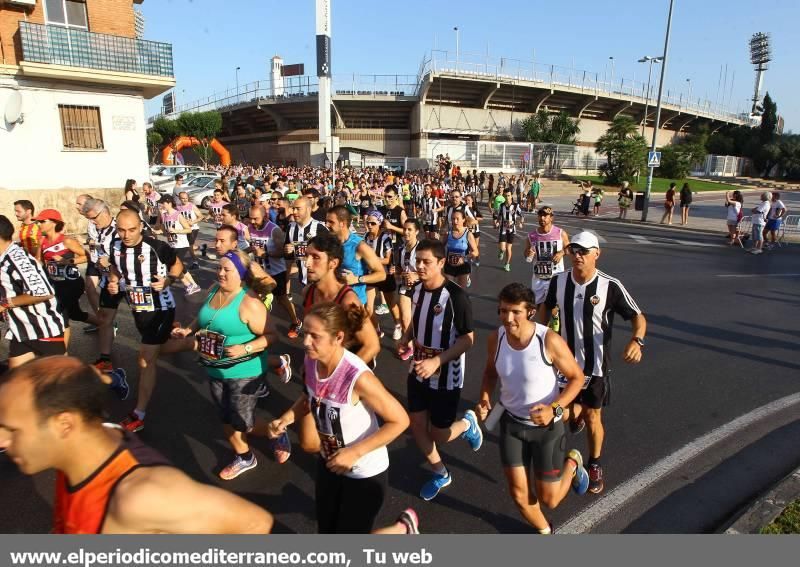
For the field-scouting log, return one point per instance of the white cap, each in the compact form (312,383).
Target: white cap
(585,239)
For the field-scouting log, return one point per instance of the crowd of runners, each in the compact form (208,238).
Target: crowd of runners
(333,255)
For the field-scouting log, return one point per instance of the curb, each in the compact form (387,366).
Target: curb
(766,508)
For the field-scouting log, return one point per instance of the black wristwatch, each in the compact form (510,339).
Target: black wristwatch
(558,412)
(639,341)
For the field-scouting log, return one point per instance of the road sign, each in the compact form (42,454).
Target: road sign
(653,159)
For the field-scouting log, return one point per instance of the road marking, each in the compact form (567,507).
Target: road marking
(640,239)
(694,243)
(617,498)
(671,241)
(757,275)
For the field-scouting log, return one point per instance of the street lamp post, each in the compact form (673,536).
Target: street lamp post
(237,83)
(612,73)
(689,97)
(651,169)
(455,29)
(651,60)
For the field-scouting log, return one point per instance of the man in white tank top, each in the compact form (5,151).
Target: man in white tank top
(523,357)
(545,249)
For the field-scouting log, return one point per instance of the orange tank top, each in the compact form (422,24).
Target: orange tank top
(82,509)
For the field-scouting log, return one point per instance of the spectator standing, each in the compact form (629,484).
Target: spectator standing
(759,219)
(669,204)
(777,212)
(624,199)
(733,204)
(686,201)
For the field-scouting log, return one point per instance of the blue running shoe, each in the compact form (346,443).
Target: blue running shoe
(580,482)
(473,434)
(119,383)
(431,488)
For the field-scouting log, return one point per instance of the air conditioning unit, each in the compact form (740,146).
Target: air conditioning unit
(22,2)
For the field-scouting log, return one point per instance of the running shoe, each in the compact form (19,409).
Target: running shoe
(409,519)
(757,251)
(285,371)
(203,250)
(237,467)
(431,488)
(500,255)
(294,330)
(104,366)
(263,392)
(119,383)
(469,281)
(406,353)
(382,309)
(398,333)
(507,267)
(473,434)
(116,328)
(132,423)
(477,263)
(596,478)
(191,289)
(89,329)
(580,482)
(576,426)
(282,448)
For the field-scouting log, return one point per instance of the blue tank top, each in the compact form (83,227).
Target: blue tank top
(457,246)
(354,265)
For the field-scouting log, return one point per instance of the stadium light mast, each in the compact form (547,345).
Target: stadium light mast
(760,55)
(651,60)
(323,21)
(458,46)
(651,169)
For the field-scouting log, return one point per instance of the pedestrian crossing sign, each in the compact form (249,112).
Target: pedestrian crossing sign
(653,159)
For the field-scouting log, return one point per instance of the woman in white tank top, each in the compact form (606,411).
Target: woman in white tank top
(345,400)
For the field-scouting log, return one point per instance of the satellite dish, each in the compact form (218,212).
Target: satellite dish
(13,112)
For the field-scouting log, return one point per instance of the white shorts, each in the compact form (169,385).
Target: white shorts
(540,288)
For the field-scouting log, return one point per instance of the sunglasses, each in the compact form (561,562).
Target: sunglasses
(579,250)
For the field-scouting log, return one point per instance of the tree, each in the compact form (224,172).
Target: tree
(789,158)
(768,130)
(677,159)
(203,126)
(154,142)
(625,149)
(167,129)
(550,128)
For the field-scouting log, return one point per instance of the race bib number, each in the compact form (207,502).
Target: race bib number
(55,271)
(211,345)
(424,353)
(258,243)
(140,299)
(301,249)
(172,238)
(329,444)
(218,218)
(543,269)
(562,381)
(508,225)
(455,259)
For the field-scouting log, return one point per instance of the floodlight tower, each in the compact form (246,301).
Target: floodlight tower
(760,55)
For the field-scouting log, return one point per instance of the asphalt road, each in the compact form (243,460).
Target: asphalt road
(722,340)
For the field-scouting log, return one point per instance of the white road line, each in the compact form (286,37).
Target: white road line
(757,275)
(617,498)
(694,243)
(640,239)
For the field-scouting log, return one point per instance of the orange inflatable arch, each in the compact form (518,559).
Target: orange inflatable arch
(168,153)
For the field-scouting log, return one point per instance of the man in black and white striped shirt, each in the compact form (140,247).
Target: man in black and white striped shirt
(509,214)
(440,334)
(587,300)
(27,302)
(148,267)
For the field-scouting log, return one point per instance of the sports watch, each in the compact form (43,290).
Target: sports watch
(248,348)
(558,411)
(639,341)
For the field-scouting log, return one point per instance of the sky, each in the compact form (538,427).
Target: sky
(210,38)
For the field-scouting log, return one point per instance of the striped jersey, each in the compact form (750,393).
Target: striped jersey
(452,209)
(21,274)
(439,317)
(508,215)
(587,316)
(382,245)
(138,264)
(215,209)
(100,240)
(430,213)
(30,237)
(299,236)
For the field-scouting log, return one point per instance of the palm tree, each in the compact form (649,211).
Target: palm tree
(625,149)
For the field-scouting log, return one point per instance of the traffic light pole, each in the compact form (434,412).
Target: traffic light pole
(651,170)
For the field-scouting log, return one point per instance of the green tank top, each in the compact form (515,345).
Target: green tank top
(226,321)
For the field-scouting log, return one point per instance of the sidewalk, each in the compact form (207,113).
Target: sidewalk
(766,508)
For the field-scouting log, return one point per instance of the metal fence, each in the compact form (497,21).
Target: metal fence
(517,155)
(58,45)
(723,166)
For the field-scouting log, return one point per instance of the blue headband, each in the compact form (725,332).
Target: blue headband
(237,263)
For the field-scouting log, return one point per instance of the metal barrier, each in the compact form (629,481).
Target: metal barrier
(517,155)
(789,230)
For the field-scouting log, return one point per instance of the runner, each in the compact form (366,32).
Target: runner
(394,214)
(509,215)
(30,235)
(533,192)
(587,300)
(176,228)
(545,248)
(381,243)
(148,267)
(230,333)
(431,207)
(361,265)
(191,213)
(61,256)
(150,204)
(216,205)
(27,303)
(302,229)
(107,481)
(457,204)
(440,334)
(522,356)
(461,250)
(469,201)
(230,217)
(407,278)
(345,400)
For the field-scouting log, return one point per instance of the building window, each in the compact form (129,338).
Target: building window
(80,127)
(69,13)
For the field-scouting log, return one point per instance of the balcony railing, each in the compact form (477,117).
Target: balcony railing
(58,45)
